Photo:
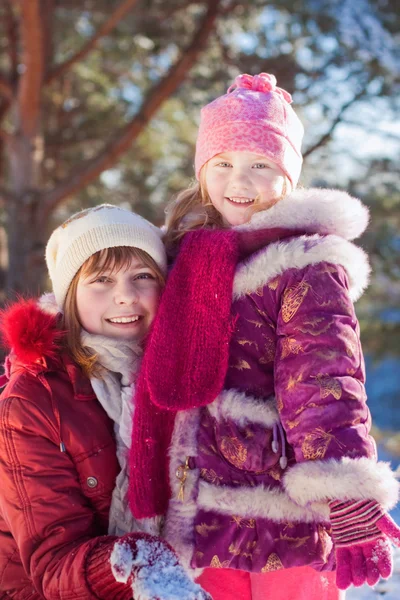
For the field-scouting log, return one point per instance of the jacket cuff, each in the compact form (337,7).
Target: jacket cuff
(99,575)
(344,479)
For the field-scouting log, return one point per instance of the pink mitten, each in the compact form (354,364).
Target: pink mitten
(362,532)
(151,567)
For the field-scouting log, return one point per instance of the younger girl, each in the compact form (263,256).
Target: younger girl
(65,420)
(258,355)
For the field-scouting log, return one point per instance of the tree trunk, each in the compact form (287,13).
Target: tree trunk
(25,225)
(27,235)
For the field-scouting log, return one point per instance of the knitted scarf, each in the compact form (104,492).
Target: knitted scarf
(187,352)
(114,390)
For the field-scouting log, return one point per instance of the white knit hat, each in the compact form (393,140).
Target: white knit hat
(92,230)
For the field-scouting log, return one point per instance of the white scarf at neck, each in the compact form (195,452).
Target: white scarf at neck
(115,391)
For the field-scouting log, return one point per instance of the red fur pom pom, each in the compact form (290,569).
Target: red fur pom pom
(30,332)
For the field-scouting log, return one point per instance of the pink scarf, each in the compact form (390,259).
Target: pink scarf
(186,356)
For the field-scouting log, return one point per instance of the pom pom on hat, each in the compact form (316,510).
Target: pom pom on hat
(254,116)
(92,230)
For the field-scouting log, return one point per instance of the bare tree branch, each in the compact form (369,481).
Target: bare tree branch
(30,82)
(119,13)
(338,119)
(108,156)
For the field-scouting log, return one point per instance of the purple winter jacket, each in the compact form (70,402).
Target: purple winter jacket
(290,431)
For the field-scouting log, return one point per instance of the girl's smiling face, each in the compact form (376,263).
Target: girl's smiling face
(118,302)
(236,180)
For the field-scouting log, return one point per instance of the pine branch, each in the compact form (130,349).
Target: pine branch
(122,141)
(119,13)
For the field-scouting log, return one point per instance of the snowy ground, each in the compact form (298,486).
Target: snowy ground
(384,590)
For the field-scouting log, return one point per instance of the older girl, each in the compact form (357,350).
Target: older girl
(65,420)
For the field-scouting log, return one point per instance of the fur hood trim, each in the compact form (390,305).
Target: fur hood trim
(298,253)
(315,210)
(30,332)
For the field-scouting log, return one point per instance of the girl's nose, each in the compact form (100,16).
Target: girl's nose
(240,179)
(126,293)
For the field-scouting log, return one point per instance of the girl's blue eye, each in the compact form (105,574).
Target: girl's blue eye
(261,166)
(144,276)
(101,279)
(223,164)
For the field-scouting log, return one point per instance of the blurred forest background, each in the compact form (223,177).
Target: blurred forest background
(100,99)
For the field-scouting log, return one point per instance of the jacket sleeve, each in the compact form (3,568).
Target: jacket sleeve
(319,384)
(42,504)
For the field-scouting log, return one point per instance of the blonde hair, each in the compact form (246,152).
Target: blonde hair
(114,259)
(193,209)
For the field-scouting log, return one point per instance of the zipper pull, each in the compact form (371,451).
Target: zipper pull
(181,474)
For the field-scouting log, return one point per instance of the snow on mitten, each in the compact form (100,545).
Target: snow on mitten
(152,569)
(362,532)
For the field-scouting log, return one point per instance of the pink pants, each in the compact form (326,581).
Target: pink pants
(300,583)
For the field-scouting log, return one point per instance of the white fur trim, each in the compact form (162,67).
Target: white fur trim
(344,479)
(258,502)
(243,409)
(298,253)
(315,210)
(47,302)
(179,523)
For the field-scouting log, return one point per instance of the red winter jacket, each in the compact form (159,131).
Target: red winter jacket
(54,503)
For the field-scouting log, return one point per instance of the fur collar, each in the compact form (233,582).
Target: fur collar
(298,253)
(314,210)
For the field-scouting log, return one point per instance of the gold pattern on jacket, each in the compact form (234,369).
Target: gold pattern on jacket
(275,473)
(329,386)
(244,342)
(237,551)
(257,324)
(203,529)
(211,476)
(273,284)
(351,343)
(293,381)
(242,522)
(310,329)
(293,298)
(241,365)
(234,451)
(269,349)
(316,443)
(292,542)
(273,563)
(290,346)
(217,564)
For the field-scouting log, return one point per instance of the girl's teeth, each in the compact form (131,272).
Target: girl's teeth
(241,200)
(124,320)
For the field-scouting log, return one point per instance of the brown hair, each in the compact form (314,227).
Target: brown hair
(193,209)
(100,262)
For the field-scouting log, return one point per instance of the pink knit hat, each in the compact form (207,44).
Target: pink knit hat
(254,116)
